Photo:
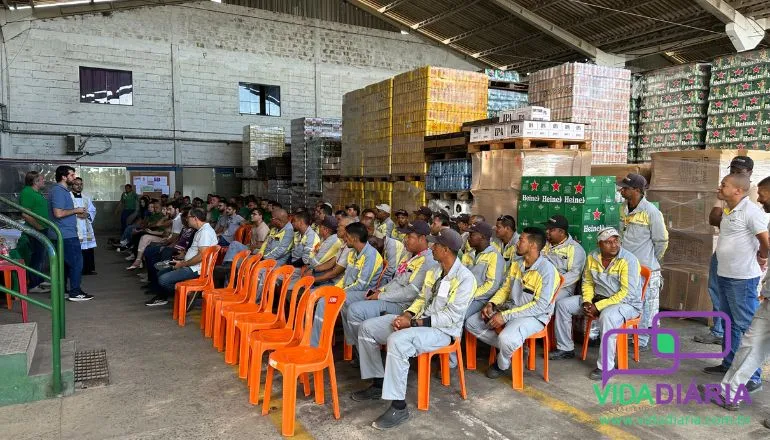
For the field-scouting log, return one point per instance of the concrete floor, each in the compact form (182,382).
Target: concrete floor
(168,382)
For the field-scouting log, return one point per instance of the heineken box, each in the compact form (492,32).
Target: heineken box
(568,189)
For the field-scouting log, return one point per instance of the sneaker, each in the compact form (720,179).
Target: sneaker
(45,285)
(708,338)
(80,297)
(156,301)
(752,387)
(391,418)
(719,370)
(39,289)
(561,354)
(494,371)
(371,393)
(131,257)
(134,267)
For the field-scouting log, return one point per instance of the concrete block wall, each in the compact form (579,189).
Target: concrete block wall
(186,61)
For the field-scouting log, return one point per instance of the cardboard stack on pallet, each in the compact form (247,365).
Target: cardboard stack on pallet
(430,101)
(684,183)
(376,192)
(376,138)
(408,195)
(306,158)
(260,142)
(739,102)
(351,162)
(673,109)
(595,95)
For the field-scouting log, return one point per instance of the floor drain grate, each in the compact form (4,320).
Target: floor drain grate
(91,369)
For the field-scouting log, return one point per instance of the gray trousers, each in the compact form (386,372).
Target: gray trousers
(402,345)
(475,307)
(364,310)
(512,337)
(351,296)
(651,305)
(610,318)
(754,350)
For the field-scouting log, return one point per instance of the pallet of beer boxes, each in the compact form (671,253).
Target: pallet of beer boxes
(526,122)
(685,183)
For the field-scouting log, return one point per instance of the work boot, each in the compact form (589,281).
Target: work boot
(718,370)
(391,418)
(595,374)
(371,393)
(708,338)
(752,387)
(561,354)
(493,372)
(719,401)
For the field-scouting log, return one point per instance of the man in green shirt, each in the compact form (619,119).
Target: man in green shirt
(128,201)
(31,198)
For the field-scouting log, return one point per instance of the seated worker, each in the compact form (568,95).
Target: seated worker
(228,223)
(506,238)
(402,290)
(177,250)
(424,213)
(565,253)
(332,270)
(612,293)
(156,224)
(321,211)
(259,231)
(433,321)
(188,268)
(402,221)
(303,252)
(330,244)
(393,251)
(522,305)
(363,269)
(383,224)
(352,211)
(166,235)
(280,239)
(464,223)
(487,266)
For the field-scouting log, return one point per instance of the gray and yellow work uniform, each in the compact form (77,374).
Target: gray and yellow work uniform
(394,253)
(489,270)
(384,228)
(327,250)
(361,274)
(570,259)
(303,252)
(643,233)
(277,246)
(508,251)
(441,305)
(394,297)
(615,290)
(525,304)
(400,236)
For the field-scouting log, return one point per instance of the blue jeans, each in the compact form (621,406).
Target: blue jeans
(738,299)
(73,264)
(717,329)
(124,215)
(222,242)
(152,255)
(167,279)
(128,232)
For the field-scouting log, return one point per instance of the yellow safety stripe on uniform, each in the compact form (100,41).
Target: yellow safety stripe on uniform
(313,246)
(504,292)
(565,251)
(331,253)
(508,251)
(640,218)
(532,280)
(489,278)
(397,235)
(360,261)
(618,266)
(414,266)
(274,235)
(418,306)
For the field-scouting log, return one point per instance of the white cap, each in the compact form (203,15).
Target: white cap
(384,207)
(606,233)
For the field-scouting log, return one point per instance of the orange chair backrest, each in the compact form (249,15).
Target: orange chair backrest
(242,255)
(244,275)
(645,273)
(283,273)
(335,298)
(240,232)
(382,273)
(261,270)
(207,261)
(555,293)
(299,295)
(246,239)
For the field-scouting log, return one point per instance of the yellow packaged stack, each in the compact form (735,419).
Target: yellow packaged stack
(351,192)
(351,162)
(376,136)
(408,195)
(376,193)
(430,101)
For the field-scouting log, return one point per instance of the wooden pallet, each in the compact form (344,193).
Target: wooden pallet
(407,178)
(462,196)
(507,85)
(523,143)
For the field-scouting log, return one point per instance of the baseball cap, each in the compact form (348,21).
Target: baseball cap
(744,162)
(449,238)
(330,222)
(633,181)
(417,227)
(403,212)
(384,207)
(462,218)
(424,210)
(557,221)
(606,233)
(482,228)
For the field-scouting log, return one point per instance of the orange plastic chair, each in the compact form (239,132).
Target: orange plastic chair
(347,350)
(295,361)
(21,276)
(240,233)
(247,324)
(260,270)
(232,312)
(272,339)
(241,292)
(229,289)
(622,341)
(423,372)
(204,281)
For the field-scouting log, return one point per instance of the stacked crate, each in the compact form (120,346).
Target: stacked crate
(376,138)
(376,192)
(351,192)
(673,110)
(408,195)
(259,143)
(739,107)
(307,148)
(449,175)
(633,118)
(351,162)
(430,101)
(595,95)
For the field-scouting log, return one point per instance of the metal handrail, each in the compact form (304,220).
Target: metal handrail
(56,262)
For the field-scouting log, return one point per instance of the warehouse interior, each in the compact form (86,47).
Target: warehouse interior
(439,110)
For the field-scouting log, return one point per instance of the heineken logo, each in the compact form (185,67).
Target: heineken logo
(756,69)
(528,198)
(721,75)
(734,102)
(533,186)
(555,186)
(754,101)
(597,214)
(751,130)
(593,228)
(719,104)
(746,86)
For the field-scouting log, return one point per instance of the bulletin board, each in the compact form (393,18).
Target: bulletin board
(151,181)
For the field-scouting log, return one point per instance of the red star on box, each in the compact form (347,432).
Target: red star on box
(743,116)
(741,146)
(672,137)
(732,132)
(719,104)
(738,72)
(734,102)
(688,136)
(579,189)
(674,110)
(756,69)
(597,214)
(689,109)
(751,131)
(534,185)
(721,75)
(691,81)
(715,134)
(676,83)
(667,124)
(754,101)
(555,186)
(746,86)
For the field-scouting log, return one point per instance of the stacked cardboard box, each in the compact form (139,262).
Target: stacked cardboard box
(376,193)
(633,118)
(332,193)
(351,162)
(497,175)
(408,195)
(304,159)
(253,187)
(376,137)
(280,191)
(684,183)
(430,101)
(322,153)
(351,192)
(673,109)
(739,107)
(594,95)
(259,143)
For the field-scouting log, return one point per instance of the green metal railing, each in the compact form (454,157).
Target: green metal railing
(56,278)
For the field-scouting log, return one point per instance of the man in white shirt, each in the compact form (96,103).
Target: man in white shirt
(190,267)
(742,251)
